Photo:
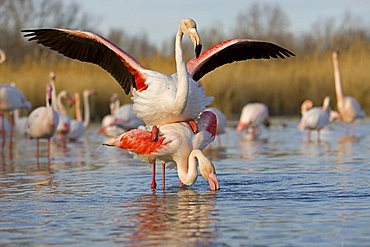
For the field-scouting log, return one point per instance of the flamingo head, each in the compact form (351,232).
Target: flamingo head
(189,28)
(306,105)
(208,172)
(52,75)
(241,126)
(91,91)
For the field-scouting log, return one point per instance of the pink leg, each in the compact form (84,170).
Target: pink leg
(353,129)
(37,150)
(219,140)
(11,130)
(345,129)
(3,130)
(48,150)
(153,185)
(180,184)
(163,175)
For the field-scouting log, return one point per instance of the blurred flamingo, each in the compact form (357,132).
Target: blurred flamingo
(42,122)
(79,125)
(158,99)
(11,98)
(348,107)
(252,116)
(107,126)
(316,118)
(177,143)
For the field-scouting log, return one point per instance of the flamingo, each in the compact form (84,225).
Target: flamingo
(43,121)
(177,143)
(308,104)
(157,98)
(316,118)
(11,98)
(106,125)
(79,125)
(125,118)
(348,107)
(221,122)
(252,116)
(64,120)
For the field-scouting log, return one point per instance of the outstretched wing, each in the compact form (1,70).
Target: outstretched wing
(92,48)
(231,51)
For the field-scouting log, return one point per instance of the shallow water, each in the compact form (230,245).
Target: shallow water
(278,191)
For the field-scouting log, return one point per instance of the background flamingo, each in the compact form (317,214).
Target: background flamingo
(252,116)
(42,122)
(79,125)
(177,143)
(64,120)
(107,126)
(348,107)
(11,98)
(316,118)
(158,99)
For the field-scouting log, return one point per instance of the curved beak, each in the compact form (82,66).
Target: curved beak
(195,38)
(213,182)
(241,126)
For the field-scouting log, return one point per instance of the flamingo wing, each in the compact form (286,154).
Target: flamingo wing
(92,48)
(231,51)
(137,141)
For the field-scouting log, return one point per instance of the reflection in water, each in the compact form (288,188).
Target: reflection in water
(185,217)
(250,149)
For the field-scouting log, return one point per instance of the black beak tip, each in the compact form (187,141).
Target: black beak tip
(198,49)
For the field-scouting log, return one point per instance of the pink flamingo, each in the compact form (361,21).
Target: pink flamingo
(252,116)
(176,143)
(157,98)
(78,125)
(43,121)
(316,118)
(348,107)
(11,98)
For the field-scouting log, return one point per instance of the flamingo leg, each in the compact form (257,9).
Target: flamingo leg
(318,135)
(49,150)
(353,129)
(11,130)
(37,150)
(154,184)
(163,175)
(345,129)
(219,140)
(2,130)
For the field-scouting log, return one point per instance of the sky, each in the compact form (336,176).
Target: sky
(159,19)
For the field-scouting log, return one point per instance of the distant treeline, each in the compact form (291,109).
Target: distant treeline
(281,84)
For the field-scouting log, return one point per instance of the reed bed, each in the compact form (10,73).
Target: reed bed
(280,83)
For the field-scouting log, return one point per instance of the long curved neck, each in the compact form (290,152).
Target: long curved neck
(187,169)
(338,84)
(182,75)
(53,94)
(86,110)
(60,105)
(78,108)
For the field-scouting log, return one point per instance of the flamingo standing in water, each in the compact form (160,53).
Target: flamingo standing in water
(107,126)
(43,121)
(176,143)
(157,98)
(316,118)
(348,107)
(79,125)
(11,98)
(252,116)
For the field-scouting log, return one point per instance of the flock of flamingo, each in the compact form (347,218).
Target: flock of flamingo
(168,119)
